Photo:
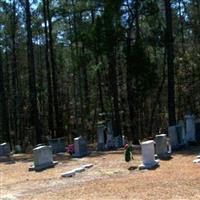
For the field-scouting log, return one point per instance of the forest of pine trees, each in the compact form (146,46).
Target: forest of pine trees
(63,63)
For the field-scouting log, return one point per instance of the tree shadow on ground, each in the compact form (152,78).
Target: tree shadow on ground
(188,151)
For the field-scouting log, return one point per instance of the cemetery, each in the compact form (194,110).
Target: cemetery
(168,162)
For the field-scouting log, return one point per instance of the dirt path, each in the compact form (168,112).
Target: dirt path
(108,179)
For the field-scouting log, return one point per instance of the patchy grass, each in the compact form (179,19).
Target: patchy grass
(111,178)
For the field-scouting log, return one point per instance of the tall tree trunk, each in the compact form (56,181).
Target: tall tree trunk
(4,106)
(111,57)
(170,64)
(34,115)
(15,88)
(48,71)
(58,114)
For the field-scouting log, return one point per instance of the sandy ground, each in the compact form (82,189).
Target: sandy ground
(111,178)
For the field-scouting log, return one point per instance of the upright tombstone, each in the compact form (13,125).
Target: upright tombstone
(190,128)
(80,147)
(4,149)
(58,145)
(43,158)
(148,155)
(100,137)
(162,146)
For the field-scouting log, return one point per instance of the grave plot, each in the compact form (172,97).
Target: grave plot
(80,147)
(43,158)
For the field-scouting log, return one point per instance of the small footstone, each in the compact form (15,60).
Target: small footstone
(68,174)
(88,165)
(196,161)
(80,169)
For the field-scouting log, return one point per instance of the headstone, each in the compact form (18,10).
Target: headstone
(4,149)
(100,138)
(80,147)
(43,158)
(58,145)
(190,128)
(177,136)
(148,155)
(162,146)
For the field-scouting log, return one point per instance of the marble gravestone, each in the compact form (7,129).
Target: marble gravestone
(80,147)
(43,158)
(4,149)
(57,145)
(190,128)
(162,146)
(148,155)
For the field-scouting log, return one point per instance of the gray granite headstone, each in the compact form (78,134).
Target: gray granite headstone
(58,145)
(162,149)
(80,147)
(177,136)
(4,149)
(43,158)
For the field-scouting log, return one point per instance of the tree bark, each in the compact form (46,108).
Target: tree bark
(4,106)
(48,71)
(170,64)
(34,114)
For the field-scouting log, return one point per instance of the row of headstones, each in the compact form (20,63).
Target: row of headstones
(151,149)
(184,132)
(105,138)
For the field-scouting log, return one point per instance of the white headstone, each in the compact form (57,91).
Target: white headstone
(148,155)
(42,157)
(190,128)
(162,147)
